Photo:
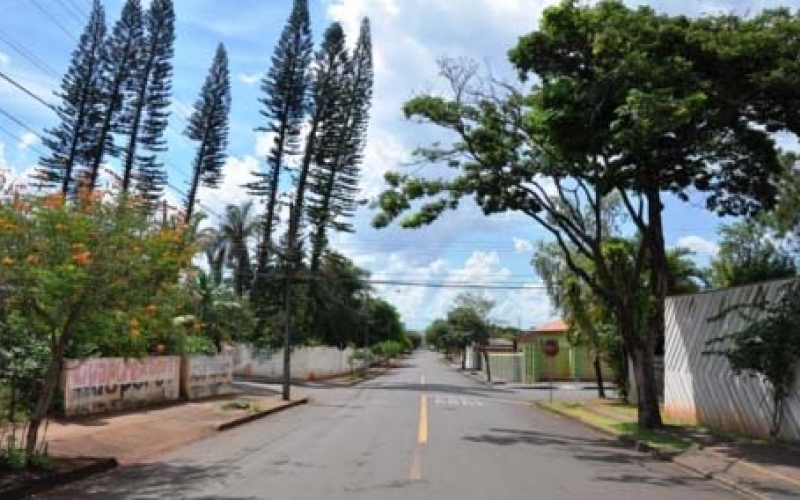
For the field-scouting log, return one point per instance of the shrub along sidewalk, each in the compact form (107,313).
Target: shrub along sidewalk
(758,468)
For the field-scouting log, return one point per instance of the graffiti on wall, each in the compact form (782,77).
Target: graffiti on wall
(205,376)
(108,384)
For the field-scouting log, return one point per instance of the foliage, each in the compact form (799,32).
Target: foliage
(236,229)
(72,141)
(209,126)
(121,56)
(284,105)
(769,346)
(747,254)
(613,352)
(334,181)
(146,109)
(387,350)
(627,101)
(384,321)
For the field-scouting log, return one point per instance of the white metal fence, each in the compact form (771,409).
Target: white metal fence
(508,367)
(703,388)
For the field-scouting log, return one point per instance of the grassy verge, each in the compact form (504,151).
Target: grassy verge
(663,439)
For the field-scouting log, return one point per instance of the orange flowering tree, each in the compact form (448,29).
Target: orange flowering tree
(90,277)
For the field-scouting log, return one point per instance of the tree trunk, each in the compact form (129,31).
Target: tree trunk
(464,359)
(598,375)
(649,414)
(45,397)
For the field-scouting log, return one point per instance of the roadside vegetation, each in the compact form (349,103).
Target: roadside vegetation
(96,263)
(617,112)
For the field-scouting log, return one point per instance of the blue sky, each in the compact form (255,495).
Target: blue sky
(408,37)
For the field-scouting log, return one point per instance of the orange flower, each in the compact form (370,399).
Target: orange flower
(151,308)
(53,201)
(83,258)
(32,259)
(160,348)
(60,227)
(133,328)
(9,261)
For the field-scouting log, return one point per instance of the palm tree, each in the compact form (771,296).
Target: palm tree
(215,247)
(239,225)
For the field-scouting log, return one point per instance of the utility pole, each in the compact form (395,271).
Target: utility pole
(287,302)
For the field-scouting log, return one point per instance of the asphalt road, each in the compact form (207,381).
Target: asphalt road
(421,431)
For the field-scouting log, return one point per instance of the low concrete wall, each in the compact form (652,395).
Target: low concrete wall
(508,367)
(205,376)
(308,363)
(109,384)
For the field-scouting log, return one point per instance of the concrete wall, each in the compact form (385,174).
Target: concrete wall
(109,384)
(703,388)
(308,363)
(205,376)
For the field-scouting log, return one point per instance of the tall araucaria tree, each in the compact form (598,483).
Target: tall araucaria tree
(334,185)
(121,61)
(284,107)
(325,106)
(147,110)
(73,141)
(209,125)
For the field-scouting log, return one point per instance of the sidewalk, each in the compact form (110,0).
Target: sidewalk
(756,468)
(141,434)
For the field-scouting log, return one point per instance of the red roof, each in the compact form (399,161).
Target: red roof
(554,326)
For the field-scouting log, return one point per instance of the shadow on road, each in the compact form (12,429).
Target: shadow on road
(587,449)
(148,481)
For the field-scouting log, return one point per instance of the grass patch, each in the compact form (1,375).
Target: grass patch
(660,439)
(239,404)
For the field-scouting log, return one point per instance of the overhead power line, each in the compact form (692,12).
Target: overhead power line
(54,20)
(26,91)
(28,55)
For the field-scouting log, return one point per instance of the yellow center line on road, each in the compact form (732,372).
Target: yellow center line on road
(422,435)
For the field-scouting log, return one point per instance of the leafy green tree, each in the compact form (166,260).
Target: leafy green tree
(209,126)
(146,111)
(120,55)
(334,182)
(384,321)
(748,255)
(684,275)
(76,269)
(73,142)
(627,103)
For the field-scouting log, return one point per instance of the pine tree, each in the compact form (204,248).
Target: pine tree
(73,141)
(121,60)
(147,110)
(285,105)
(209,125)
(327,94)
(335,180)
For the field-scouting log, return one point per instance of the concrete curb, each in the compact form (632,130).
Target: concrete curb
(50,482)
(261,414)
(662,455)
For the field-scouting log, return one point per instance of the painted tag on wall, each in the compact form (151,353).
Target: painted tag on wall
(109,384)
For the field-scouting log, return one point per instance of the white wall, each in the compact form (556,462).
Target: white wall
(703,388)
(308,363)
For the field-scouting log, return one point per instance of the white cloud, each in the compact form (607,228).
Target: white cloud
(5,60)
(237,172)
(27,140)
(250,78)
(521,245)
(698,245)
